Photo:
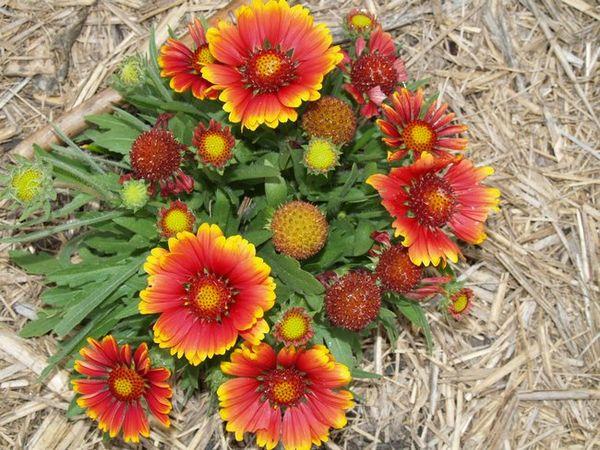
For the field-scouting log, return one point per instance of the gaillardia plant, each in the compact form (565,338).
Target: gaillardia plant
(254,255)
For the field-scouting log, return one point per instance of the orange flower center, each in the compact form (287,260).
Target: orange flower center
(371,70)
(214,145)
(175,221)
(284,387)
(418,136)
(202,57)
(396,271)
(125,383)
(432,200)
(267,71)
(210,297)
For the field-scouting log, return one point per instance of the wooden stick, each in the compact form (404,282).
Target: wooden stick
(72,122)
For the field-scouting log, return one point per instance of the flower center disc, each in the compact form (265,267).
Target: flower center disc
(27,184)
(294,327)
(460,303)
(361,21)
(371,70)
(176,221)
(284,387)
(321,155)
(268,70)
(202,57)
(418,137)
(210,298)
(215,145)
(125,384)
(432,200)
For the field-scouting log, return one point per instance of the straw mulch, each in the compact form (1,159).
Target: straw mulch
(523,370)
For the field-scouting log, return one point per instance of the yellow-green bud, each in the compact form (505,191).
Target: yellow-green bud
(134,194)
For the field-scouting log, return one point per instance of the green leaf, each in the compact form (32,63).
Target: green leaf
(96,296)
(39,326)
(414,312)
(74,409)
(221,210)
(276,191)
(338,341)
(139,226)
(390,323)
(97,218)
(253,172)
(290,273)
(35,263)
(257,237)
(362,238)
(358,373)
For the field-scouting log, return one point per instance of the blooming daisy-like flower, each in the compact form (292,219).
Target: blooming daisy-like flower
(375,72)
(460,303)
(214,144)
(184,65)
(430,194)
(175,219)
(321,156)
(397,273)
(410,128)
(116,386)
(299,229)
(359,21)
(294,396)
(155,157)
(330,118)
(294,327)
(271,61)
(353,301)
(208,290)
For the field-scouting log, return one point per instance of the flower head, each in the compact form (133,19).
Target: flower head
(134,194)
(375,71)
(28,183)
(353,301)
(299,229)
(214,144)
(155,157)
(184,65)
(431,194)
(175,219)
(131,71)
(207,290)
(360,22)
(294,327)
(409,127)
(268,63)
(293,396)
(116,385)
(460,303)
(321,156)
(330,118)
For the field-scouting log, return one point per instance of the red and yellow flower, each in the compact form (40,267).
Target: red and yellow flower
(293,396)
(268,63)
(214,144)
(375,71)
(175,219)
(353,301)
(115,384)
(208,290)
(460,303)
(433,193)
(294,327)
(409,127)
(184,65)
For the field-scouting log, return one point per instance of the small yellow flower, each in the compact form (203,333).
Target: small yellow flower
(175,219)
(320,156)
